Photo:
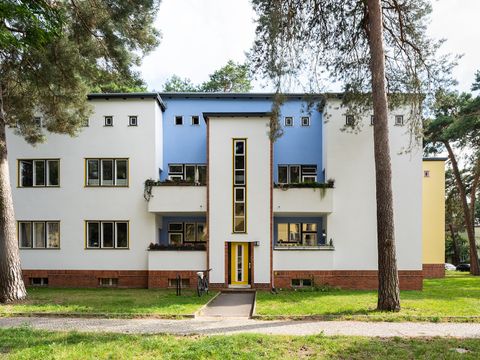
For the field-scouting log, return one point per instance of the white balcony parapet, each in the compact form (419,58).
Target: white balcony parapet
(178,199)
(302,201)
(177,260)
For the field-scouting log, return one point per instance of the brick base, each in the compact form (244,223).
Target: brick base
(355,279)
(433,271)
(365,280)
(88,278)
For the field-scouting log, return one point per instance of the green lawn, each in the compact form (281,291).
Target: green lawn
(112,302)
(25,343)
(457,295)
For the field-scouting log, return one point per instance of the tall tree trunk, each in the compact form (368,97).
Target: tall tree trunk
(388,285)
(468,216)
(456,248)
(11,282)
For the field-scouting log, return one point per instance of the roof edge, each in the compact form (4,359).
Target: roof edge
(207,115)
(133,95)
(435,159)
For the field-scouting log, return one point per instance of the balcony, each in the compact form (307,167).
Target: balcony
(175,260)
(173,198)
(303,201)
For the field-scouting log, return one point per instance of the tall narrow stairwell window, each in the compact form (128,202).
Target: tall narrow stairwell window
(239,185)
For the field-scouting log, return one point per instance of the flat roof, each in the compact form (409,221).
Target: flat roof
(245,114)
(435,158)
(137,95)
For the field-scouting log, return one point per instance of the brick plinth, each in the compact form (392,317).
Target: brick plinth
(88,278)
(433,271)
(159,279)
(358,279)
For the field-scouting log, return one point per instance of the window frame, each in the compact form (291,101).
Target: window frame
(108,121)
(302,233)
(183,231)
(304,171)
(132,120)
(100,179)
(32,234)
(46,172)
(285,121)
(182,175)
(307,124)
(399,123)
(178,117)
(236,219)
(349,120)
(372,120)
(100,235)
(195,117)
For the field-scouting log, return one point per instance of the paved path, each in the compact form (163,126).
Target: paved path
(230,304)
(230,326)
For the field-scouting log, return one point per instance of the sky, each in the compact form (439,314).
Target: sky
(200,36)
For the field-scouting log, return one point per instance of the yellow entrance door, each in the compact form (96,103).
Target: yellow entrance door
(239,264)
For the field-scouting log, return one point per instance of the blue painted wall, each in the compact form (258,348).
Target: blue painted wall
(163,233)
(283,220)
(188,143)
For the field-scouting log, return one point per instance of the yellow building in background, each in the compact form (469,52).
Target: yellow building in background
(433,217)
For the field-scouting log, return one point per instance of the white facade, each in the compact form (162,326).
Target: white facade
(348,209)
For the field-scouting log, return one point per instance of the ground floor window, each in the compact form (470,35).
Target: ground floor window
(39,234)
(300,234)
(186,232)
(107,234)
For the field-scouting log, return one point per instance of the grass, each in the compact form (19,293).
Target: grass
(454,298)
(25,343)
(107,302)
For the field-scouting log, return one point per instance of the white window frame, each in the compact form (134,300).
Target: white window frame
(349,120)
(133,120)
(175,118)
(194,232)
(170,234)
(398,120)
(288,173)
(108,120)
(35,173)
(307,118)
(372,120)
(87,235)
(195,117)
(115,238)
(100,234)
(32,226)
(288,119)
(102,239)
(102,180)
(47,170)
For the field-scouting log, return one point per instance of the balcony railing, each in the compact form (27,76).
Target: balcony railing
(303,199)
(176,197)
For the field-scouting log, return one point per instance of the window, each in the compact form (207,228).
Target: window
(132,121)
(39,234)
(301,282)
(195,120)
(294,174)
(239,185)
(108,282)
(108,120)
(288,121)
(305,120)
(398,120)
(178,120)
(106,172)
(184,283)
(372,119)
(426,173)
(188,232)
(38,121)
(107,234)
(39,172)
(298,234)
(38,281)
(349,120)
(194,173)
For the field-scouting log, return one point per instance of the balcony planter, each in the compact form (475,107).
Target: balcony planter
(183,247)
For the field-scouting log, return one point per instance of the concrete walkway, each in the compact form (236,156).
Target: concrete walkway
(230,304)
(231,326)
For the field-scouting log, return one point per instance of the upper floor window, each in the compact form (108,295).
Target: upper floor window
(132,121)
(288,121)
(426,173)
(195,120)
(305,120)
(107,234)
(39,234)
(38,121)
(294,174)
(195,173)
(398,120)
(38,172)
(106,172)
(108,120)
(372,119)
(350,120)
(178,120)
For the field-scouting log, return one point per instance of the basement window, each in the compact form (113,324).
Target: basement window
(302,283)
(108,282)
(38,281)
